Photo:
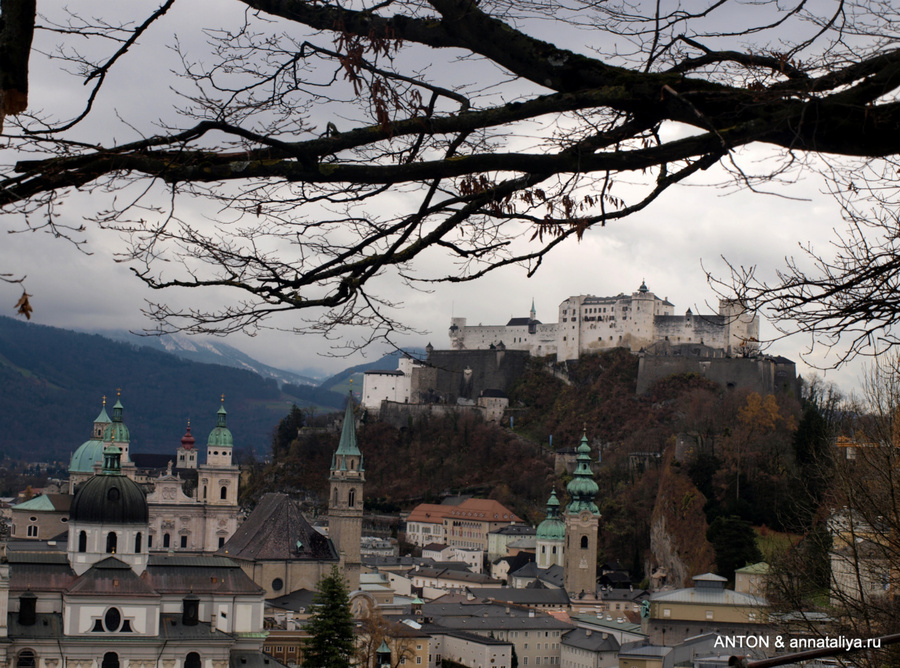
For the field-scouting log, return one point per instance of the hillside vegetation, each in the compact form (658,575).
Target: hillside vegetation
(739,459)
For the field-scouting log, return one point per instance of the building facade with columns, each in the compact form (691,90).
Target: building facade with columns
(101,599)
(193,502)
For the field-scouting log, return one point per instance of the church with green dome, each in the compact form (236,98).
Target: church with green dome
(193,504)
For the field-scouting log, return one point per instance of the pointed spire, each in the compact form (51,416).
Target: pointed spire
(348,445)
(221,414)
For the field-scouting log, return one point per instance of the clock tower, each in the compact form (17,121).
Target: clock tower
(582,519)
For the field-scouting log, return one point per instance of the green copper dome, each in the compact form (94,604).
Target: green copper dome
(117,431)
(110,497)
(91,451)
(552,528)
(220,436)
(582,488)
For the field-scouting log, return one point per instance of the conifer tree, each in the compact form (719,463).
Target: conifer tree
(330,626)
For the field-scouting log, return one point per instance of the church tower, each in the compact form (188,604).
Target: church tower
(345,508)
(582,519)
(551,536)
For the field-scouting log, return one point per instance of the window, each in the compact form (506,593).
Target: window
(82,541)
(351,498)
(192,660)
(149,541)
(137,543)
(223,493)
(183,542)
(584,542)
(277,584)
(112,620)
(32,531)
(110,660)
(419,660)
(221,541)
(26,659)
(167,540)
(111,542)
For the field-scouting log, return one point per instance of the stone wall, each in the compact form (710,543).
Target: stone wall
(765,375)
(450,375)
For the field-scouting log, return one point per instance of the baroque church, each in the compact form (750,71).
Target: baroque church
(193,505)
(158,580)
(101,599)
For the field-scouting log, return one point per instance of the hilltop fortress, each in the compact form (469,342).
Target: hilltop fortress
(639,321)
(485,360)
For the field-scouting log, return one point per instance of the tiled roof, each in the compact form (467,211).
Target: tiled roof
(276,530)
(429,513)
(483,510)
(522,596)
(592,641)
(301,598)
(486,510)
(179,576)
(110,577)
(47,503)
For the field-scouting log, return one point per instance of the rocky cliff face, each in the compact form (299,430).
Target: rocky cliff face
(678,529)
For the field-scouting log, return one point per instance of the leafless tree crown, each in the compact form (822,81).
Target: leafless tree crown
(331,145)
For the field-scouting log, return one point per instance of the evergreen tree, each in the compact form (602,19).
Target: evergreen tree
(330,625)
(735,544)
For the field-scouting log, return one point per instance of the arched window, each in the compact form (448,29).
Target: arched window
(111,542)
(110,660)
(192,660)
(223,493)
(82,541)
(352,464)
(351,498)
(584,542)
(335,496)
(204,491)
(26,659)
(137,543)
(167,540)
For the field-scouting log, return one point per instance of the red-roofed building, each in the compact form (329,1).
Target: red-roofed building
(465,525)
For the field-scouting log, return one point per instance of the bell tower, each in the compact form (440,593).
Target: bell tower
(345,507)
(582,519)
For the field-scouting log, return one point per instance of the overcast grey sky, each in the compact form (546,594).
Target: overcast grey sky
(663,245)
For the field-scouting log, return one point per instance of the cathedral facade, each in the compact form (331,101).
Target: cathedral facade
(193,503)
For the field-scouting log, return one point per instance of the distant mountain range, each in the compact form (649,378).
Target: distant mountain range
(208,351)
(52,381)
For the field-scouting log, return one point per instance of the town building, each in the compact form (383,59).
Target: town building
(467,525)
(707,607)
